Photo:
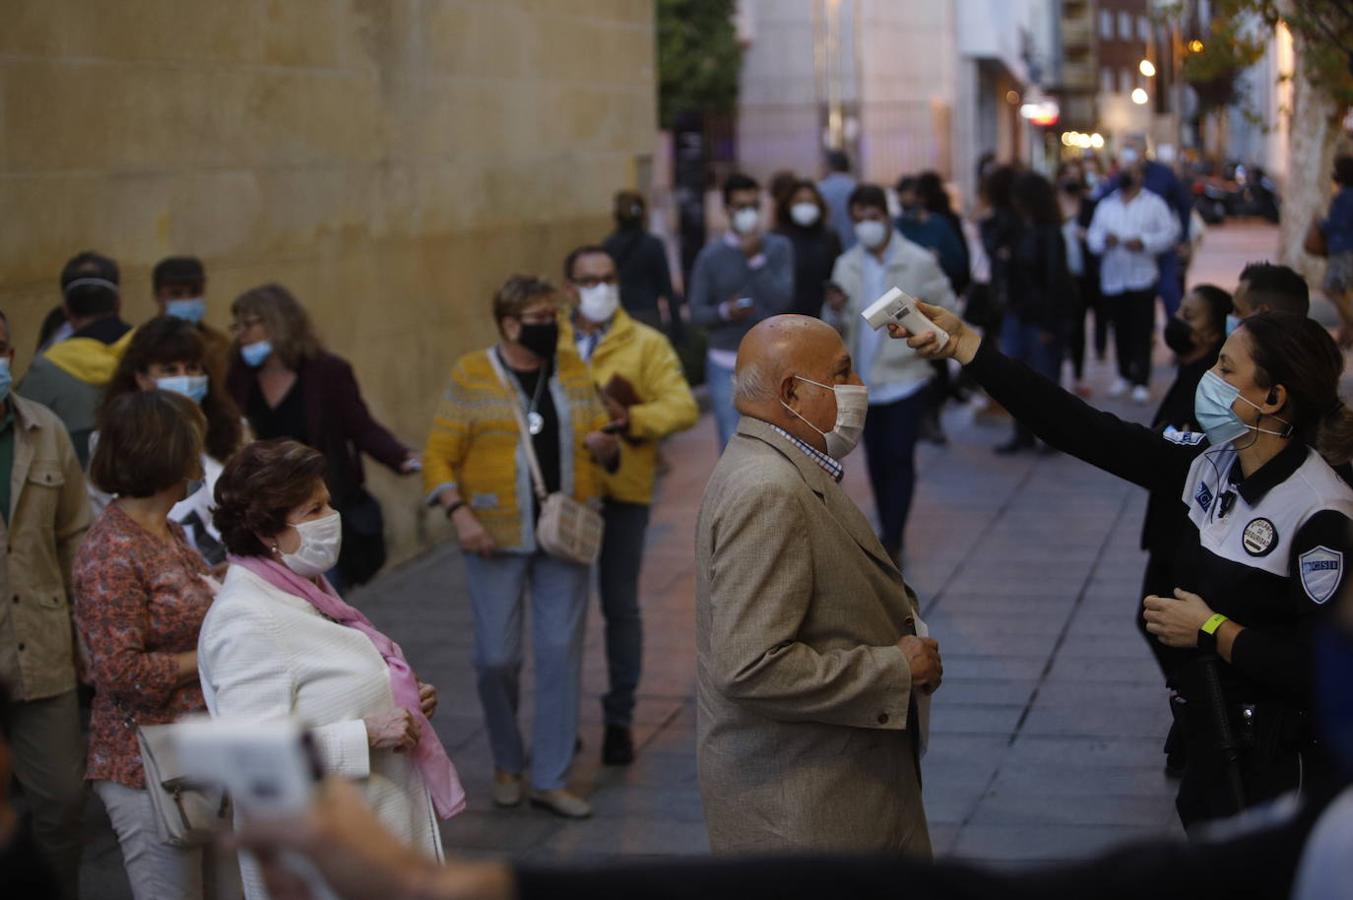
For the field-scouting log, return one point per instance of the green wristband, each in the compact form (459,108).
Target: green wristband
(1212,624)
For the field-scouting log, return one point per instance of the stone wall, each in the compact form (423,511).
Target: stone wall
(390,161)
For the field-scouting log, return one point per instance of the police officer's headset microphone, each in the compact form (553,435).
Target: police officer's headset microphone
(1226,499)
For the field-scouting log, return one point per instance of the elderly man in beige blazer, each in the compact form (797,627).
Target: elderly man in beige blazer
(812,680)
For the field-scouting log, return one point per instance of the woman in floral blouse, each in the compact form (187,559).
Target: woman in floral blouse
(141,594)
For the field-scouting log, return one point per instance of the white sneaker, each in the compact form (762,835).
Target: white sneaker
(1118,388)
(562,803)
(1140,395)
(506,793)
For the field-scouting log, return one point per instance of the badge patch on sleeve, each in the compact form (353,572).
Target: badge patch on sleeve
(1259,537)
(1321,570)
(1183,438)
(1203,496)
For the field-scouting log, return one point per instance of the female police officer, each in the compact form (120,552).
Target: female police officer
(1267,549)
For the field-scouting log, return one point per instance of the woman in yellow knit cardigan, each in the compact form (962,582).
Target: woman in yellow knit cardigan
(475,468)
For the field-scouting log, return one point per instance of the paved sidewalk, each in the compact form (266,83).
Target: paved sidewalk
(1047,731)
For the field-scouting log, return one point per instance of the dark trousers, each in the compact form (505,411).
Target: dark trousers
(622,554)
(1134,319)
(890,434)
(1088,300)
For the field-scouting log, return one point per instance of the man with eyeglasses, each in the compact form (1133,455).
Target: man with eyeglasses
(641,383)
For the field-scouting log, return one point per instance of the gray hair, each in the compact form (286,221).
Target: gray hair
(752,384)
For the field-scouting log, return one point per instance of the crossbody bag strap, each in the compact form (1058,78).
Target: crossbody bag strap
(537,478)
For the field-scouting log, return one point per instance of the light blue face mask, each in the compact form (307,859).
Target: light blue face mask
(191,310)
(1232,323)
(254,354)
(1212,404)
(194,387)
(5,379)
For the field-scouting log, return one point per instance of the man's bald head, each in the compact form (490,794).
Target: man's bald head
(774,359)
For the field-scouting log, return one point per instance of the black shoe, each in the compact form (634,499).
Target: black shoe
(618,747)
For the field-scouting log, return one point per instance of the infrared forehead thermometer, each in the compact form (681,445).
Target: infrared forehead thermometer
(897,307)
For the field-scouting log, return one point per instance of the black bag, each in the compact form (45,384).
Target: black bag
(363,552)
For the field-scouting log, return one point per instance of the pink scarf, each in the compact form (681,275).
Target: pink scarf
(439,773)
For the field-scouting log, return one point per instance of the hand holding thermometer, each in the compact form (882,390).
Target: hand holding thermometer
(897,307)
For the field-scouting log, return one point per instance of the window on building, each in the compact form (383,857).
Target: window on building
(1126,81)
(1106,24)
(1106,84)
(1125,26)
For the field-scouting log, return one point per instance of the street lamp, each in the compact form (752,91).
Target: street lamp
(1195,46)
(1139,97)
(1147,68)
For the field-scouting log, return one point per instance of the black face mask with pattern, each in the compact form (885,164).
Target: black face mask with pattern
(1179,336)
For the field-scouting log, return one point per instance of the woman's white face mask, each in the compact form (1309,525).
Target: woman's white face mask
(321,542)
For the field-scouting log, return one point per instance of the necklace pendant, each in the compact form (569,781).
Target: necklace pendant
(535,423)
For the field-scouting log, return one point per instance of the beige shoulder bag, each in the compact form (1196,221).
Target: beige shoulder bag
(567,529)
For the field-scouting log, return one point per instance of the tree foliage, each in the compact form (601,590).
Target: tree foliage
(1234,44)
(698,58)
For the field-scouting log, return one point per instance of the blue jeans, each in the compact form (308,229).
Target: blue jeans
(720,383)
(622,555)
(890,434)
(558,590)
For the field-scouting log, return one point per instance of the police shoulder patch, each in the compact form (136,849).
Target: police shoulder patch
(1321,570)
(1183,438)
(1203,495)
(1260,537)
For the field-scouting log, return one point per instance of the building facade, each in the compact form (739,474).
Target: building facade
(390,162)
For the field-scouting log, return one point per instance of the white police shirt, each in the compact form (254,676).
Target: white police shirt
(1274,548)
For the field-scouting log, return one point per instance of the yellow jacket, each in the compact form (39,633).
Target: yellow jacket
(475,446)
(644,357)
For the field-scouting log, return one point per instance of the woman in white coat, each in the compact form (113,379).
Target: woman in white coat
(279,642)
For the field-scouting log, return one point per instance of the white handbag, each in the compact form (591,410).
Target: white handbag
(566,529)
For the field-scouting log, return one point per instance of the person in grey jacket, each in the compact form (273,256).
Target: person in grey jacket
(738,280)
(898,379)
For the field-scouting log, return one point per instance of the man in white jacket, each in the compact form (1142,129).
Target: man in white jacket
(896,376)
(1130,228)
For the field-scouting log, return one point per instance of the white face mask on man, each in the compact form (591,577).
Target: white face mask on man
(746,221)
(599,302)
(852,405)
(321,542)
(872,233)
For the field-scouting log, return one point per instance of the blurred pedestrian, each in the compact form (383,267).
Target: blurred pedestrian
(1336,230)
(279,642)
(836,187)
(1159,179)
(926,229)
(933,197)
(1078,210)
(168,354)
(1130,229)
(998,227)
(896,377)
(46,514)
(180,284)
(641,258)
(801,215)
(290,386)
(477,472)
(140,596)
(738,280)
(1041,294)
(783,183)
(647,398)
(69,377)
